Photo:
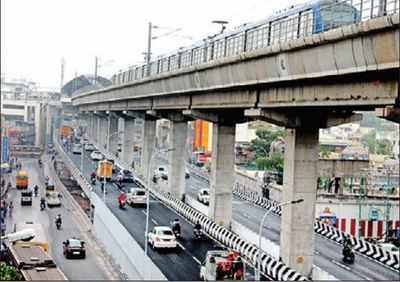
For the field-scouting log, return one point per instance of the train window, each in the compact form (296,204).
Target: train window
(291,27)
(306,23)
(173,62)
(339,14)
(163,65)
(185,58)
(219,48)
(235,44)
(275,32)
(197,56)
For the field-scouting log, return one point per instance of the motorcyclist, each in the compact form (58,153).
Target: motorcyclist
(197,226)
(42,203)
(46,180)
(36,190)
(40,162)
(176,226)
(121,200)
(58,220)
(93,175)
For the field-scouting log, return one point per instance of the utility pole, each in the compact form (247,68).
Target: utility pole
(361,190)
(149,49)
(62,73)
(387,204)
(96,59)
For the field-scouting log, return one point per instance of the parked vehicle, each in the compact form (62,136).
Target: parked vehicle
(136,196)
(162,237)
(203,196)
(96,156)
(21,179)
(26,198)
(89,147)
(187,173)
(74,248)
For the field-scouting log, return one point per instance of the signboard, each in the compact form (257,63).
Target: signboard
(373,214)
(5,151)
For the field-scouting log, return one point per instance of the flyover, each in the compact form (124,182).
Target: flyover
(303,84)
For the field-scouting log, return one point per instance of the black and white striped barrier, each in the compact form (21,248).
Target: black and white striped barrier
(372,251)
(271,267)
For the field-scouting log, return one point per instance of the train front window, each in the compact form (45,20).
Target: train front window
(336,16)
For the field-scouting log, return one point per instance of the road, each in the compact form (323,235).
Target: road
(181,265)
(86,269)
(327,253)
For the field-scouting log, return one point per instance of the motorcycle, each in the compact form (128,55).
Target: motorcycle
(122,204)
(58,224)
(348,255)
(197,234)
(42,205)
(176,228)
(40,163)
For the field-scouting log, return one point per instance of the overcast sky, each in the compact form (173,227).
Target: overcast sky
(36,34)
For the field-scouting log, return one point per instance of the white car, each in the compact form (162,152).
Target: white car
(53,199)
(96,156)
(76,148)
(136,196)
(89,147)
(204,196)
(162,237)
(390,248)
(162,172)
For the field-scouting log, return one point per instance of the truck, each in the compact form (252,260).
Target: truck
(221,265)
(66,131)
(104,169)
(21,179)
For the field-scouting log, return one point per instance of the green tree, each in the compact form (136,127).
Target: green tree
(323,152)
(384,147)
(261,145)
(8,272)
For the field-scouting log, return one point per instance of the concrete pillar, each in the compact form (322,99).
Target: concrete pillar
(299,182)
(148,143)
(128,129)
(222,173)
(102,132)
(177,158)
(38,124)
(113,133)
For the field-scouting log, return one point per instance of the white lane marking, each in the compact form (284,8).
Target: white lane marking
(180,245)
(341,265)
(144,212)
(155,222)
(316,252)
(196,260)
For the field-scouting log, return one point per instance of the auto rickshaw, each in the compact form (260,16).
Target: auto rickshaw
(21,179)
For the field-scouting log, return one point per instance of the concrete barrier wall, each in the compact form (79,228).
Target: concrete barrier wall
(108,229)
(125,250)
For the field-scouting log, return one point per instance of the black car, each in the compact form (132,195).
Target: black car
(128,176)
(74,248)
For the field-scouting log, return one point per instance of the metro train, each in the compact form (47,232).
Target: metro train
(295,22)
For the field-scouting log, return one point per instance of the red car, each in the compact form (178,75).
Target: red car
(74,248)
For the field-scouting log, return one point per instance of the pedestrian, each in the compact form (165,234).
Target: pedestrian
(3,227)
(5,210)
(10,208)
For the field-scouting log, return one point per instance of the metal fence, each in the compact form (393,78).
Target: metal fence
(290,24)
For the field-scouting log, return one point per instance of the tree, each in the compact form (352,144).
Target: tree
(384,147)
(323,152)
(265,136)
(8,272)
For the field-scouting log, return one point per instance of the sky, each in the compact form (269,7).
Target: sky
(37,34)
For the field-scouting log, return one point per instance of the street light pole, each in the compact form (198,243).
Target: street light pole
(258,272)
(149,49)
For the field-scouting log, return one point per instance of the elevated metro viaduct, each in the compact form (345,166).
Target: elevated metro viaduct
(304,84)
